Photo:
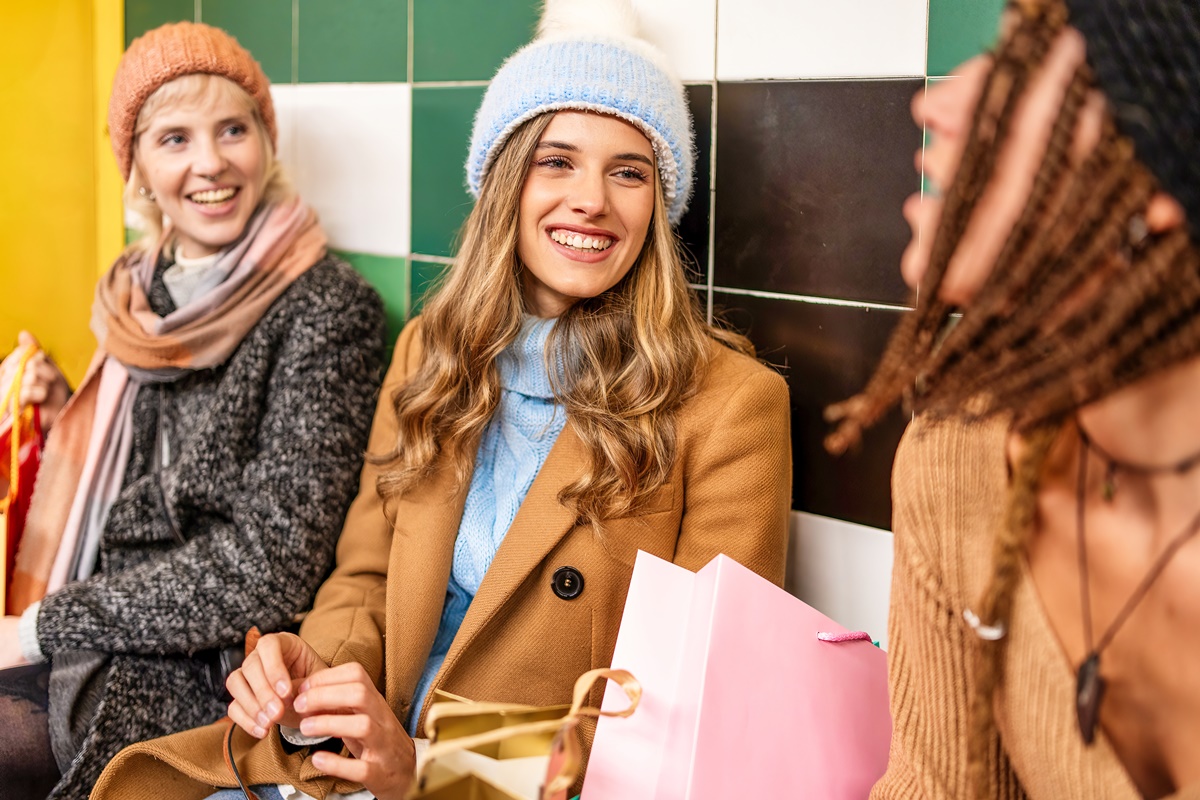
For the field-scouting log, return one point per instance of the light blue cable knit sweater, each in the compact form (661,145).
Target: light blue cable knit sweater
(513,448)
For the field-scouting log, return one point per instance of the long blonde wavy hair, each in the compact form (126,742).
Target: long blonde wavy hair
(630,356)
(205,90)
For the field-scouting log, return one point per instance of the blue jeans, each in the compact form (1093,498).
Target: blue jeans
(264,792)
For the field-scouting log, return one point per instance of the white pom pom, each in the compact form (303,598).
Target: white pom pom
(572,19)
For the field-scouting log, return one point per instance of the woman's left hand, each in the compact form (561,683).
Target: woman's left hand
(343,702)
(10,643)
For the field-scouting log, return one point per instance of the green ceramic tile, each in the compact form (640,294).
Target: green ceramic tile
(466,40)
(144,15)
(343,41)
(389,276)
(424,277)
(960,29)
(264,27)
(441,131)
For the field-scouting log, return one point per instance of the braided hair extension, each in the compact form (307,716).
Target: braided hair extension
(996,605)
(1081,301)
(921,331)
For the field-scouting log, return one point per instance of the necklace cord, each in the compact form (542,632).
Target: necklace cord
(1143,587)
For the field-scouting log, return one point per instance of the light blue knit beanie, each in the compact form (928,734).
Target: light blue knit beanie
(588,56)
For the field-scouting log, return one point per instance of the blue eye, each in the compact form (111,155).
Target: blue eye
(236,130)
(554,162)
(173,139)
(631,174)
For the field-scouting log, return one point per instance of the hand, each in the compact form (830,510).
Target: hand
(43,383)
(343,702)
(264,686)
(10,643)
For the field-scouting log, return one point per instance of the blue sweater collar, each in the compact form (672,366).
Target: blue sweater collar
(522,365)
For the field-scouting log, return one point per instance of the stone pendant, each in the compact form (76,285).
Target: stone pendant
(1089,691)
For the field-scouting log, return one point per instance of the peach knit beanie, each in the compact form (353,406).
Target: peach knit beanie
(169,52)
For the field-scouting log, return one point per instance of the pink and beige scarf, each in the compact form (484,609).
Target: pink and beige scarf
(86,454)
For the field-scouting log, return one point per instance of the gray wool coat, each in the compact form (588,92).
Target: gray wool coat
(237,485)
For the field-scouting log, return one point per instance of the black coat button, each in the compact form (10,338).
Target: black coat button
(567,583)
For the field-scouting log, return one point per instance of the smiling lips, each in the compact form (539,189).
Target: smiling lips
(212,197)
(578,241)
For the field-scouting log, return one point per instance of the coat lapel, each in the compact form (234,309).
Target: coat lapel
(419,565)
(540,524)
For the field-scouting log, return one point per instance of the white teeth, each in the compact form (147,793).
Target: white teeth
(580,242)
(213,195)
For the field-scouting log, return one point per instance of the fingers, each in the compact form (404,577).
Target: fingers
(243,717)
(26,339)
(262,687)
(267,707)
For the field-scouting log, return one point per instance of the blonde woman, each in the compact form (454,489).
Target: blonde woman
(195,483)
(560,405)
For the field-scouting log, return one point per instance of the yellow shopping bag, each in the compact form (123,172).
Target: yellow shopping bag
(500,751)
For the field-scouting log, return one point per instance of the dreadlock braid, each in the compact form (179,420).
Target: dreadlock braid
(996,603)
(919,332)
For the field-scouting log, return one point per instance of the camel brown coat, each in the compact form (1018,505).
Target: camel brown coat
(520,643)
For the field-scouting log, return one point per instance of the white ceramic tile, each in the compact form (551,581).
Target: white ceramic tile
(820,38)
(348,150)
(843,570)
(686,31)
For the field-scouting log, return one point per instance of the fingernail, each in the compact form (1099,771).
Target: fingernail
(282,688)
(301,703)
(263,719)
(306,727)
(303,687)
(259,732)
(274,708)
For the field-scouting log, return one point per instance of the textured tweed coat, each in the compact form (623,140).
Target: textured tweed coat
(520,642)
(238,481)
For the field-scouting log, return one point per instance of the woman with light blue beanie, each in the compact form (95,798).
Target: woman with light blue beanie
(560,405)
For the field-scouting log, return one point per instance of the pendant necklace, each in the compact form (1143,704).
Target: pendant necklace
(1089,685)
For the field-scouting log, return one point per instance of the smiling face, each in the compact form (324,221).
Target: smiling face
(205,158)
(585,209)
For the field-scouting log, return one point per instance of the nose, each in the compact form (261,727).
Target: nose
(589,194)
(208,162)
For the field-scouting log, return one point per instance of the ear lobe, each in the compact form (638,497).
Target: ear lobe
(1164,213)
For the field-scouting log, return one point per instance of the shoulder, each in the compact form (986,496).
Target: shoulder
(333,284)
(733,379)
(949,495)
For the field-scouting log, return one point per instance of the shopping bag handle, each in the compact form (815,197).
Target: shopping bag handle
(565,726)
(12,403)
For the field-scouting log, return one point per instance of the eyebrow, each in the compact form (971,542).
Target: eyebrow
(570,148)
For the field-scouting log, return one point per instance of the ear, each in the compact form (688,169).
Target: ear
(1164,213)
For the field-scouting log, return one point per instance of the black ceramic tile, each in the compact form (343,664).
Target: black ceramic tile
(812,176)
(827,353)
(693,228)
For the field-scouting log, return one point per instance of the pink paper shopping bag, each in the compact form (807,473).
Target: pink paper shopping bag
(741,699)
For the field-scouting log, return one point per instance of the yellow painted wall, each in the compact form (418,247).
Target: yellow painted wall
(60,212)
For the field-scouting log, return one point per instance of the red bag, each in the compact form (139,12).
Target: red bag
(21,444)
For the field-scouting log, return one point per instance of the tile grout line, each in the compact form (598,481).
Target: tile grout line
(811,299)
(448,84)
(409,62)
(295,41)
(431,259)
(712,170)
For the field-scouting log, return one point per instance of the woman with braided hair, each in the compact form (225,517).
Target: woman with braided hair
(1047,496)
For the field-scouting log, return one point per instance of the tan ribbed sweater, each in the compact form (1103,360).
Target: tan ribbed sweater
(949,486)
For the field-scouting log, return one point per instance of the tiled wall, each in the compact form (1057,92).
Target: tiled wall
(805,156)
